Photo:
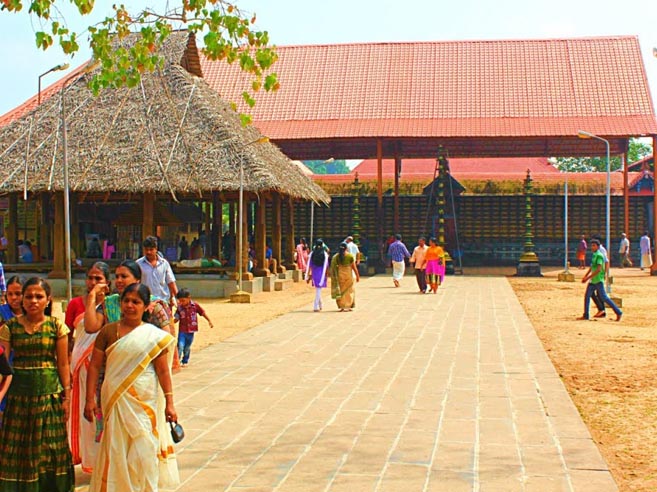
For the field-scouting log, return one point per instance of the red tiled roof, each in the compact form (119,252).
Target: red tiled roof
(460,167)
(46,93)
(518,88)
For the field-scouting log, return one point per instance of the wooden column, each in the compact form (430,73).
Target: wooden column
(379,188)
(653,268)
(11,229)
(261,237)
(147,227)
(59,257)
(217,224)
(396,199)
(291,245)
(246,275)
(77,243)
(276,229)
(45,227)
(208,229)
(626,198)
(232,221)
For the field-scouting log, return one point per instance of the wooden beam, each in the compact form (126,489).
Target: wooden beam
(291,244)
(59,258)
(379,188)
(217,224)
(147,228)
(261,239)
(395,218)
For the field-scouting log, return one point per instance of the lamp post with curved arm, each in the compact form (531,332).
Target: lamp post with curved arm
(584,134)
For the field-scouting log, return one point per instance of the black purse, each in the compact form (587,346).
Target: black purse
(177,432)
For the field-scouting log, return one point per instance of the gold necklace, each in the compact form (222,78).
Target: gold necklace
(30,327)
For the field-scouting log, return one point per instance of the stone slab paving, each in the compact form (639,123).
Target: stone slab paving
(434,393)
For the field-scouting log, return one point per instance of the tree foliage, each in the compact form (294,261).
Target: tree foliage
(328,167)
(228,34)
(637,151)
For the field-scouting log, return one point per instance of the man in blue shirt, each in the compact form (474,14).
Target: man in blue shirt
(397,252)
(156,272)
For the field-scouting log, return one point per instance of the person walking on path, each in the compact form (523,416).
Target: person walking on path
(435,258)
(343,272)
(397,252)
(317,270)
(156,273)
(302,254)
(34,452)
(599,303)
(418,258)
(581,252)
(596,275)
(187,315)
(136,449)
(646,253)
(624,251)
(352,248)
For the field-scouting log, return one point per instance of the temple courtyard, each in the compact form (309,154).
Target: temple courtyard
(409,392)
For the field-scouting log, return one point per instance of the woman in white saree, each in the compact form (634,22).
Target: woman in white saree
(136,449)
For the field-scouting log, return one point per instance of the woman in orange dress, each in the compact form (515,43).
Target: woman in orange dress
(435,260)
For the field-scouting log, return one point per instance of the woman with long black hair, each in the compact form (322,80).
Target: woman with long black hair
(317,270)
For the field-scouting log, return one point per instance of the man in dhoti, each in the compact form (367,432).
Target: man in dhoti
(397,252)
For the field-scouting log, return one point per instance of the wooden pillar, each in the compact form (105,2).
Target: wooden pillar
(11,229)
(245,240)
(261,237)
(232,221)
(77,243)
(208,229)
(45,227)
(653,268)
(291,245)
(59,257)
(217,224)
(626,198)
(379,188)
(276,229)
(147,227)
(396,199)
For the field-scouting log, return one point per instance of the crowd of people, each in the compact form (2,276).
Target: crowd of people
(96,389)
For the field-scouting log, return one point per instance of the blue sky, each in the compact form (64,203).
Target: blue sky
(342,21)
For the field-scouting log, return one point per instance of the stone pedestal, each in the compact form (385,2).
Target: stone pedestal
(240,297)
(528,269)
(566,277)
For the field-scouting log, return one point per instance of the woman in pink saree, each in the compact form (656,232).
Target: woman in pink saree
(136,449)
(302,254)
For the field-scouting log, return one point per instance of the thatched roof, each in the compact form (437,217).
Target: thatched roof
(173,134)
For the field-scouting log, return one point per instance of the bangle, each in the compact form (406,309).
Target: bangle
(168,393)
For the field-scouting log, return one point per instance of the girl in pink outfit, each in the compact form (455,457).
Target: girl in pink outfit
(302,254)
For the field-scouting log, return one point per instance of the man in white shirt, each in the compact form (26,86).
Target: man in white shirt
(156,272)
(624,251)
(352,248)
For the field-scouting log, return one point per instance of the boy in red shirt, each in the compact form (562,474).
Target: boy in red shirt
(187,315)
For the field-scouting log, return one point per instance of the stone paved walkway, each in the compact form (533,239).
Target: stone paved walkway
(449,392)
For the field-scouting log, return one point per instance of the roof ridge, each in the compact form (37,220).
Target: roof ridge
(460,41)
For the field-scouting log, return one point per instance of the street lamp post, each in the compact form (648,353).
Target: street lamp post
(584,134)
(56,68)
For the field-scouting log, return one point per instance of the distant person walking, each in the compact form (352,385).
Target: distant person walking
(596,275)
(352,248)
(397,252)
(418,259)
(435,257)
(343,272)
(599,303)
(624,251)
(156,273)
(646,253)
(581,252)
(302,254)
(317,271)
(187,315)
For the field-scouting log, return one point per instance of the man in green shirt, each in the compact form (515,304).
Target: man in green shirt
(596,275)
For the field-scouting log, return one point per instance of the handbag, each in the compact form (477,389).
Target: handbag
(177,432)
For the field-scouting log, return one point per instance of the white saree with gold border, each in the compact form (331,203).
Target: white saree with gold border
(136,450)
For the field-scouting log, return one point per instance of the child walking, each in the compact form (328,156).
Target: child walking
(187,314)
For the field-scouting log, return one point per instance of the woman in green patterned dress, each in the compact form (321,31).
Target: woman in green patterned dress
(34,452)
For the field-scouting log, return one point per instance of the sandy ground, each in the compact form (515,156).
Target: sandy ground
(609,368)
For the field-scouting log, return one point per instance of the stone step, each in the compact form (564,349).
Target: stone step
(282,284)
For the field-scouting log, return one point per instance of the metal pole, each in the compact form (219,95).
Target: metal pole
(565,259)
(67,214)
(312,221)
(608,232)
(240,225)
